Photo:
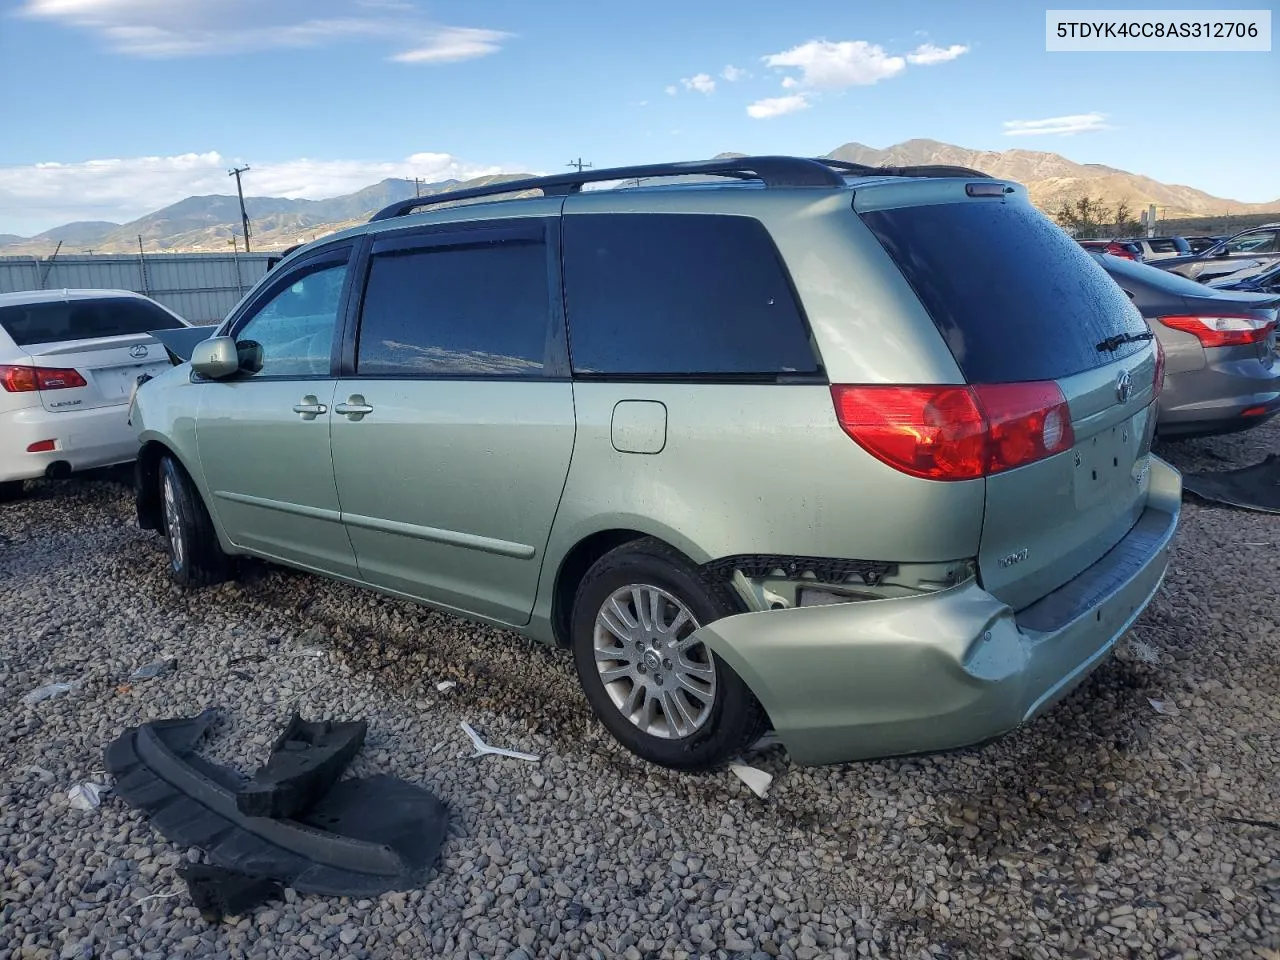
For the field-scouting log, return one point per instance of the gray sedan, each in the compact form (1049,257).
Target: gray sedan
(1221,373)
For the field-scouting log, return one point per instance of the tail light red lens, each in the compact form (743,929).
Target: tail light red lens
(956,432)
(1225,331)
(19,379)
(42,446)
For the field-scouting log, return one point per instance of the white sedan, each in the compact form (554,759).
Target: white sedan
(69,360)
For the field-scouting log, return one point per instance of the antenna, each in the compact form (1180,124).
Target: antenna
(244,217)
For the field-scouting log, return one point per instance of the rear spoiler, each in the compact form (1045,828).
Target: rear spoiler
(181,341)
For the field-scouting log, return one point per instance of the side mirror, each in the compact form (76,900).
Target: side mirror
(215,358)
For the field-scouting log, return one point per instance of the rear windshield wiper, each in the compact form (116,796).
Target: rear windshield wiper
(1120,339)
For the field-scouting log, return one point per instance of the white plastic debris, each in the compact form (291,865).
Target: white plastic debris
(47,692)
(86,796)
(1143,652)
(758,780)
(483,748)
(152,670)
(444,686)
(1157,705)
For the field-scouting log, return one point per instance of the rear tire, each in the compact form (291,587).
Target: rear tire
(195,556)
(11,490)
(666,700)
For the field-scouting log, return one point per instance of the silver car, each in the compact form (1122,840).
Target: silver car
(1221,373)
(787,447)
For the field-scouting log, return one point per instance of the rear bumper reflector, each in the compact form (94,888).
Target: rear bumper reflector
(42,446)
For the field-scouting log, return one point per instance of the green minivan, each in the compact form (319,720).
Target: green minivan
(859,455)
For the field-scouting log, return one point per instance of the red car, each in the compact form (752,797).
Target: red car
(1117,248)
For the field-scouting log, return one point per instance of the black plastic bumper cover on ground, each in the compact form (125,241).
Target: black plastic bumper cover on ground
(363,837)
(1253,488)
(305,762)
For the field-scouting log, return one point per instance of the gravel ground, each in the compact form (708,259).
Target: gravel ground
(1102,829)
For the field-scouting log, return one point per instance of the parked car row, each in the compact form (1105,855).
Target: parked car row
(1255,247)
(688,430)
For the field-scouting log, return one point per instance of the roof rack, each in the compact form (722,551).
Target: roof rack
(772,171)
(923,170)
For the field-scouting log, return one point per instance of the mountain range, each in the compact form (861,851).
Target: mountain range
(209,223)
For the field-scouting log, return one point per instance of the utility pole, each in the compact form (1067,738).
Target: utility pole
(416,181)
(578,164)
(244,217)
(142,267)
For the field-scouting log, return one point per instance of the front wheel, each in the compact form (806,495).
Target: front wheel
(660,692)
(195,556)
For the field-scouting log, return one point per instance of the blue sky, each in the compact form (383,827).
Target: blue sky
(115,107)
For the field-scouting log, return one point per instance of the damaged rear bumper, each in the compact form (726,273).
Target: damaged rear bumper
(854,681)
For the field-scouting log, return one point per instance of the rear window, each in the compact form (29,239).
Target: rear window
(1014,297)
(33,323)
(680,295)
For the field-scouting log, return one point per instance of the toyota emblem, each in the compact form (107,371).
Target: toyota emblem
(138,351)
(1124,386)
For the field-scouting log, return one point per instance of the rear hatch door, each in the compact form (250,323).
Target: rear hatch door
(100,347)
(1018,301)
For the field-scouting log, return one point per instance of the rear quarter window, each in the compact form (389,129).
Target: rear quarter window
(1014,297)
(680,295)
(59,320)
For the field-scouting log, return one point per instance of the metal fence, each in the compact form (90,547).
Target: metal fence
(201,287)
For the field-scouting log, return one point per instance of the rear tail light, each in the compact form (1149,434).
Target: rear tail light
(42,446)
(18,379)
(1226,331)
(1159,377)
(956,432)
(1120,250)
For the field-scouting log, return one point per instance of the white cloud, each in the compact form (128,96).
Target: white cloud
(777,106)
(734,74)
(672,90)
(835,66)
(164,29)
(927,54)
(38,196)
(1057,126)
(700,82)
(452,44)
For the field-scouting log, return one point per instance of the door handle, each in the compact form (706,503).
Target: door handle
(354,409)
(310,407)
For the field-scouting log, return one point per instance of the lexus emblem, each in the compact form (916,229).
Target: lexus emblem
(138,351)
(1124,386)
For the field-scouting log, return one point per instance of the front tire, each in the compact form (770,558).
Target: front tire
(663,696)
(195,556)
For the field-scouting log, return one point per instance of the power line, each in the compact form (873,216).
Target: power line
(579,164)
(244,217)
